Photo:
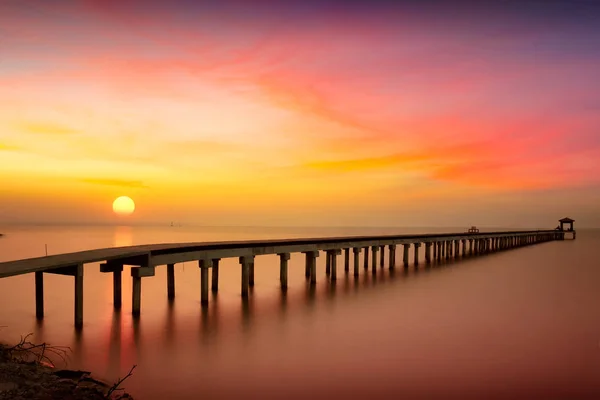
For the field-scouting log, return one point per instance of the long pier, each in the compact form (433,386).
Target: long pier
(145,258)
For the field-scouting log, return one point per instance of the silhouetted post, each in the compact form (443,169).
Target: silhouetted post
(204,266)
(464,247)
(405,256)
(117,287)
(245,262)
(39,295)
(382,256)
(417,245)
(307,266)
(79,296)
(215,275)
(328,262)
(366,257)
(440,246)
(448,249)
(456,248)
(334,254)
(428,252)
(435,252)
(374,260)
(356,252)
(392,255)
(283,269)
(311,261)
(170,281)
(347,259)
(251,274)
(136,294)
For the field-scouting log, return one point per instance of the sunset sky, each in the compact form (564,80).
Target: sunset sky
(356,113)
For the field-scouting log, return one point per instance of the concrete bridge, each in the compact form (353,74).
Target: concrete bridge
(144,259)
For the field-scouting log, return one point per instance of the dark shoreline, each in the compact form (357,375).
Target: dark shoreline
(32,380)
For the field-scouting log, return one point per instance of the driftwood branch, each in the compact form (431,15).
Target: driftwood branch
(115,387)
(26,351)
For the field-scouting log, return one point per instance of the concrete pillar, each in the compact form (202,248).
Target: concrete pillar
(39,295)
(251,274)
(471,246)
(440,246)
(311,261)
(366,257)
(356,252)
(204,282)
(448,249)
(215,275)
(428,252)
(435,252)
(456,248)
(307,266)
(334,254)
(245,262)
(347,259)
(392,256)
(374,249)
(464,247)
(283,269)
(328,262)
(382,256)
(117,287)
(170,281)
(136,294)
(79,296)
(405,256)
(417,245)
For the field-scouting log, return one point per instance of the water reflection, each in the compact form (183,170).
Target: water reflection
(123,236)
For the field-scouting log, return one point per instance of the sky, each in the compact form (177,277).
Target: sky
(301,113)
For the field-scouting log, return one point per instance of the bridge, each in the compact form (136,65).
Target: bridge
(144,259)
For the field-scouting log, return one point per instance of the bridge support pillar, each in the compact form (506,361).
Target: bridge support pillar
(251,274)
(332,262)
(374,250)
(434,244)
(204,267)
(245,262)
(328,262)
(366,258)
(356,252)
(136,282)
(464,247)
(170,281)
(347,260)
(79,296)
(382,256)
(417,245)
(456,248)
(392,256)
(405,255)
(39,295)
(448,249)
(311,262)
(214,272)
(117,270)
(428,252)
(283,269)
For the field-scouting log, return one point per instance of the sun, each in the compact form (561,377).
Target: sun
(123,205)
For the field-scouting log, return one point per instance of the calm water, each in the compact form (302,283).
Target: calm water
(519,324)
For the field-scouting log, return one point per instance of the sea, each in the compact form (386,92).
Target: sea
(518,324)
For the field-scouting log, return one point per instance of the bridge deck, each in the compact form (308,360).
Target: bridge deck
(24,266)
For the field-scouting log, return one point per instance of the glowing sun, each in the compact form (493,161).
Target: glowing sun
(123,205)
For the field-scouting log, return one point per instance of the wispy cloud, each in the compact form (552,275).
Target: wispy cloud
(115,182)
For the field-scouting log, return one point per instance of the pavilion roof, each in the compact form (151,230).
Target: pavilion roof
(567,219)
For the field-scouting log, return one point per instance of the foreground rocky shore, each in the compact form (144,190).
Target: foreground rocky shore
(24,376)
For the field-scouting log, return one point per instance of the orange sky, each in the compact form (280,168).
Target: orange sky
(301,114)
